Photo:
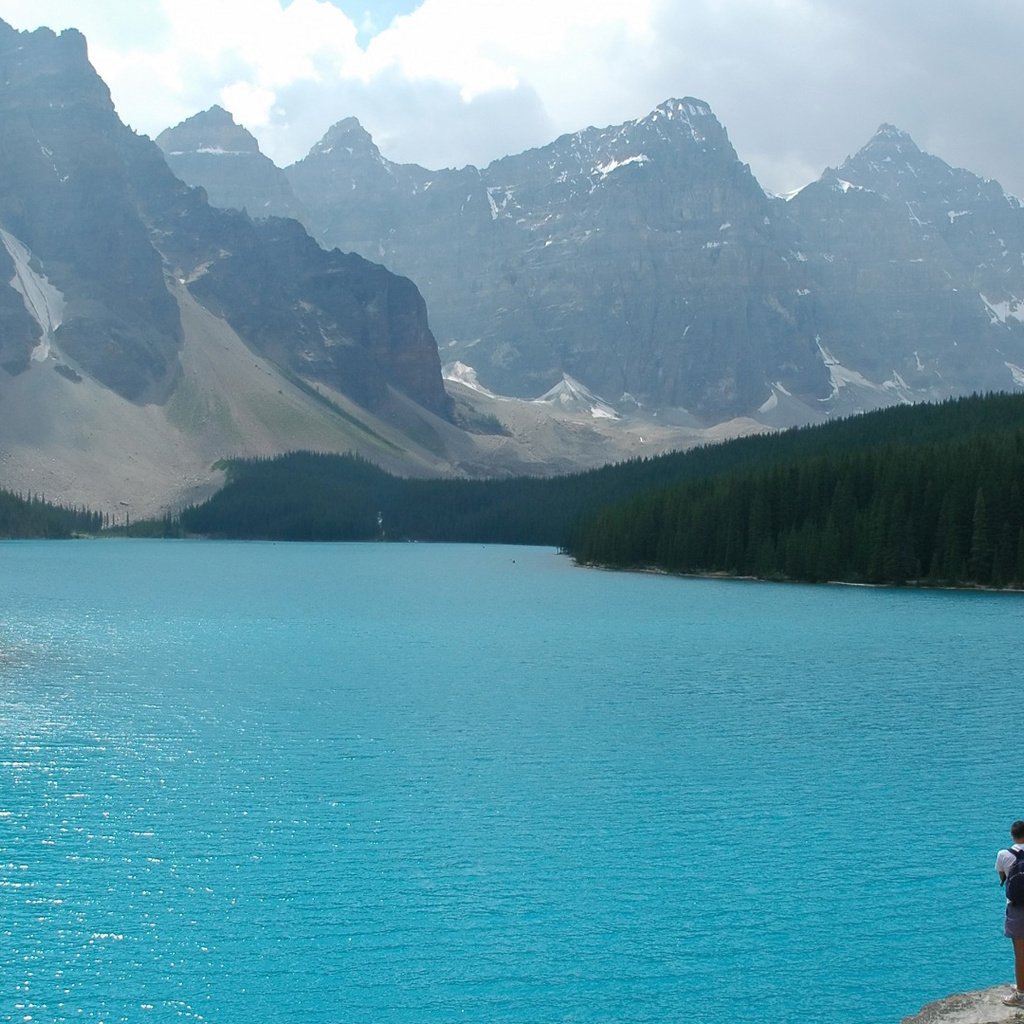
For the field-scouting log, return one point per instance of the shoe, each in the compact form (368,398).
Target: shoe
(1015,998)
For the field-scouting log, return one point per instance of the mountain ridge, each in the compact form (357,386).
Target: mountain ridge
(516,232)
(617,256)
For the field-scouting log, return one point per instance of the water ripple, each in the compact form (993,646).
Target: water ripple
(414,785)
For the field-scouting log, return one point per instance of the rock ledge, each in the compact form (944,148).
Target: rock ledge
(982,1007)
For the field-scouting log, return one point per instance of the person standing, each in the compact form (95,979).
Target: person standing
(1013,926)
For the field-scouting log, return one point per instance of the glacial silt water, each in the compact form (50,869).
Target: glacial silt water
(337,784)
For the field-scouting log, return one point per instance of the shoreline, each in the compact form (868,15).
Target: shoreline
(981,1006)
(916,585)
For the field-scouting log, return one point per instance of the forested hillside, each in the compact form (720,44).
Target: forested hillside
(939,511)
(929,492)
(24,518)
(306,496)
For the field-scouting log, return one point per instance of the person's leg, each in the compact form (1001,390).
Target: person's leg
(1016,997)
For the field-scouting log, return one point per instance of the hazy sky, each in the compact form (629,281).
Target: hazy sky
(798,84)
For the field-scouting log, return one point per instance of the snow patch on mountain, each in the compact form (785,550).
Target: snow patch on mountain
(569,395)
(572,396)
(844,186)
(785,196)
(44,302)
(842,376)
(498,197)
(464,374)
(48,153)
(210,151)
(605,169)
(772,402)
(1008,309)
(897,386)
(1017,372)
(688,112)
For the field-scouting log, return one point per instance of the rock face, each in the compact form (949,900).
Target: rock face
(645,259)
(66,198)
(95,227)
(913,271)
(210,150)
(329,317)
(627,258)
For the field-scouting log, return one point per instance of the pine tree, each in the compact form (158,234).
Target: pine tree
(980,564)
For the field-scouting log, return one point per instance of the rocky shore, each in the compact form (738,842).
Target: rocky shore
(982,1007)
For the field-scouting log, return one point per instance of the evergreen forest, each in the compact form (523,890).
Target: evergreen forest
(28,517)
(927,493)
(938,512)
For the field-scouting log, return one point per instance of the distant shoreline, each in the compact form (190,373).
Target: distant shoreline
(725,576)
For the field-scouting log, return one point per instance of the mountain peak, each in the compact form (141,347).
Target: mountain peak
(210,131)
(891,130)
(688,106)
(31,55)
(348,124)
(687,111)
(70,36)
(347,136)
(688,116)
(892,139)
(887,163)
(216,115)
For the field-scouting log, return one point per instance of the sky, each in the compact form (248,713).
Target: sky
(798,84)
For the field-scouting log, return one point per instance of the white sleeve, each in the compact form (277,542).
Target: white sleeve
(1003,861)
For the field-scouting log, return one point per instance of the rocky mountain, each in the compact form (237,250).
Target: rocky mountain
(211,150)
(636,278)
(623,257)
(913,271)
(133,314)
(93,210)
(71,223)
(645,261)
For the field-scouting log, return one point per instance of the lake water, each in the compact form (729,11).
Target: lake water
(336,784)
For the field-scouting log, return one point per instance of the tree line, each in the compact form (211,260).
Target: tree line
(30,516)
(929,493)
(943,513)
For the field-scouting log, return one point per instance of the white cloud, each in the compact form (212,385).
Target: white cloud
(237,52)
(274,47)
(250,104)
(488,45)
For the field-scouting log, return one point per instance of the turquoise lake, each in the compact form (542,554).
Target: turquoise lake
(364,784)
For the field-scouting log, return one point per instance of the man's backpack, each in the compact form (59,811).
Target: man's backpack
(1015,878)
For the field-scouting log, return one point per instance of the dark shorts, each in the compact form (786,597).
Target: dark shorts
(1014,926)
